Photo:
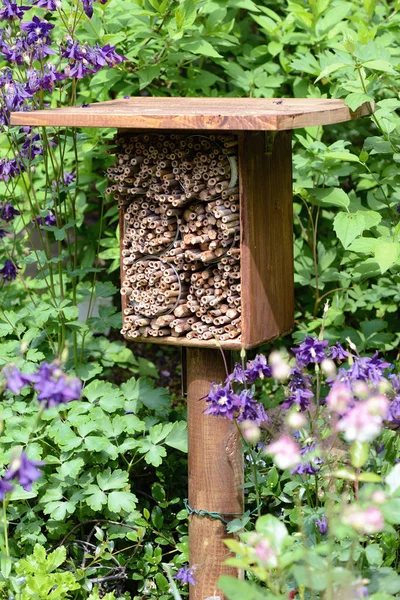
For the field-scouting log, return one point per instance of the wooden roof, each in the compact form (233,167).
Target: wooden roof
(272,114)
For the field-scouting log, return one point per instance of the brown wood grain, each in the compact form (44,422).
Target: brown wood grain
(265,181)
(197,113)
(215,474)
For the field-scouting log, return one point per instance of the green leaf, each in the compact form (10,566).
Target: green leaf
(71,468)
(348,226)
(236,589)
(347,156)
(332,196)
(369,477)
(153,453)
(200,46)
(355,99)
(121,501)
(374,554)
(112,480)
(178,438)
(142,391)
(96,498)
(59,510)
(387,254)
(359,454)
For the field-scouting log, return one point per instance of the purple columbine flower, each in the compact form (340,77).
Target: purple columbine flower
(49,5)
(49,220)
(322,525)
(311,467)
(37,29)
(258,368)
(55,387)
(24,470)
(15,380)
(68,178)
(9,271)
(8,170)
(222,402)
(238,375)
(311,350)
(369,369)
(337,352)
(300,393)
(12,11)
(185,575)
(250,410)
(5,487)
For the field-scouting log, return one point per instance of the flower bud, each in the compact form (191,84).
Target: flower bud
(250,431)
(328,367)
(378,496)
(296,420)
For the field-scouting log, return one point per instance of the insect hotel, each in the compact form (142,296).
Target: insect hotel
(204,188)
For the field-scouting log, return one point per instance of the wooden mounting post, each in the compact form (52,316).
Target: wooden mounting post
(215,474)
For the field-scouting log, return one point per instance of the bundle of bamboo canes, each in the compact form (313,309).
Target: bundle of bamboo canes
(181,231)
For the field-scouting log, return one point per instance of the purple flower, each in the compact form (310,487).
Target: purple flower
(30,148)
(222,402)
(238,375)
(337,352)
(88,7)
(16,380)
(8,212)
(185,575)
(311,467)
(299,391)
(311,350)
(368,369)
(11,11)
(322,525)
(55,387)
(394,410)
(9,271)
(49,220)
(24,471)
(68,178)
(258,368)
(8,170)
(48,5)
(4,488)
(37,29)
(250,410)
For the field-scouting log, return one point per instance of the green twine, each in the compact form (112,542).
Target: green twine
(213,515)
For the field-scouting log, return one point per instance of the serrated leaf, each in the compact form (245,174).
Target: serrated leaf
(59,510)
(178,437)
(95,497)
(121,501)
(112,480)
(153,453)
(71,468)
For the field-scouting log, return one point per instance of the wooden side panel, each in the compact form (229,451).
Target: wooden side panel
(266,237)
(215,474)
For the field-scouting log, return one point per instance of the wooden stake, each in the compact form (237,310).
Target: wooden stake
(215,474)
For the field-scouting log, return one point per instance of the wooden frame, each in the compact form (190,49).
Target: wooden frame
(266,242)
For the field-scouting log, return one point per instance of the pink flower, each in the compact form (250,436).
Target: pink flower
(368,521)
(285,452)
(339,398)
(360,424)
(265,553)
(378,405)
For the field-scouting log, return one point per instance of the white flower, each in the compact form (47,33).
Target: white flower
(285,452)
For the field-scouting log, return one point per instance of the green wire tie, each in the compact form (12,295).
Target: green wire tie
(213,515)
(206,513)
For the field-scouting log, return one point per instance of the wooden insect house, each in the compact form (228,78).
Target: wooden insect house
(204,188)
